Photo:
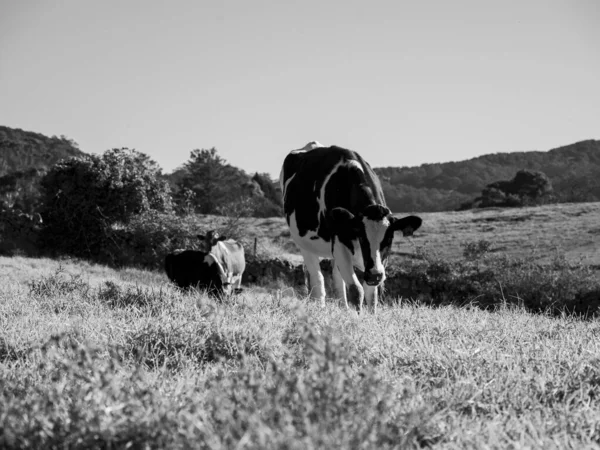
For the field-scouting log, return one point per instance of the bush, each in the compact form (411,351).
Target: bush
(493,281)
(83,198)
(526,188)
(19,232)
(59,284)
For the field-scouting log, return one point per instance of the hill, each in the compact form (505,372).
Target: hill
(21,150)
(572,169)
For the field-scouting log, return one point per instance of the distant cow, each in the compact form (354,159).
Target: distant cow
(228,255)
(192,268)
(335,208)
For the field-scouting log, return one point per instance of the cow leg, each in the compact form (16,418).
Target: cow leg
(343,262)
(236,282)
(316,282)
(340,286)
(371,297)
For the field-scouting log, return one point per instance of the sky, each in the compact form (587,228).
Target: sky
(401,82)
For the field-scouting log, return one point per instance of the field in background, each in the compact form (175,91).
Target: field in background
(572,229)
(543,231)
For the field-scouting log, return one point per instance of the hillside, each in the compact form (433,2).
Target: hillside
(21,150)
(573,170)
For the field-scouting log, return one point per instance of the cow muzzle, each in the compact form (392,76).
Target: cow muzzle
(373,279)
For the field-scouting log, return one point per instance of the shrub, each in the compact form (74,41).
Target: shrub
(477,249)
(172,346)
(118,296)
(492,281)
(84,197)
(526,188)
(58,284)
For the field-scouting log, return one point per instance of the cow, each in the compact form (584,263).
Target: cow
(335,208)
(195,269)
(228,255)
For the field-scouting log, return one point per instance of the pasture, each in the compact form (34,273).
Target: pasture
(570,229)
(92,357)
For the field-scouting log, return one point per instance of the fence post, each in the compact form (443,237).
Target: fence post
(255,241)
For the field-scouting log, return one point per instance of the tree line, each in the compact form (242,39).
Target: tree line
(119,208)
(573,170)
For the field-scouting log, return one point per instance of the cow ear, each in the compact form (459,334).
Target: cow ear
(221,238)
(201,237)
(342,222)
(407,224)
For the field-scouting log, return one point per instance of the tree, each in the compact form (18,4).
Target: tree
(527,187)
(20,190)
(272,203)
(83,198)
(213,182)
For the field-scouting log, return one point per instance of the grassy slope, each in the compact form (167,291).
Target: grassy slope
(137,362)
(570,229)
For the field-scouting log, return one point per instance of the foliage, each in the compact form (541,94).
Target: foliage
(59,284)
(526,188)
(572,170)
(84,197)
(493,280)
(402,197)
(272,192)
(19,232)
(20,190)
(207,184)
(22,150)
(212,180)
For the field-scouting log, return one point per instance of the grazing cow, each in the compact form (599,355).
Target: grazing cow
(334,206)
(192,268)
(228,255)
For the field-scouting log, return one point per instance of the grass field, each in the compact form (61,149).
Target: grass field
(92,357)
(569,229)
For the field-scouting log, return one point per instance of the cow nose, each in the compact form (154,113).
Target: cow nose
(373,279)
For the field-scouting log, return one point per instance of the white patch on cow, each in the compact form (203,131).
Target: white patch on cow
(316,283)
(285,185)
(356,164)
(375,231)
(321,197)
(211,259)
(317,246)
(308,147)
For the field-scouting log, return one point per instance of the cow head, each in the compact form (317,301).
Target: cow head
(374,229)
(208,241)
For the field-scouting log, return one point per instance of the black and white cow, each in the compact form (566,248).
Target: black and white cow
(334,206)
(195,269)
(228,254)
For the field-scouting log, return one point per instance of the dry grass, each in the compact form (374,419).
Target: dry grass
(569,229)
(93,366)
(92,357)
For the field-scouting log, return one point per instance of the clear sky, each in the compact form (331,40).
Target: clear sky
(402,82)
